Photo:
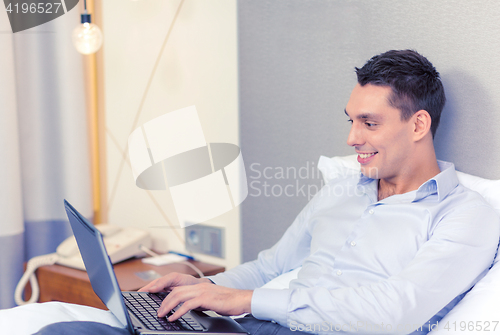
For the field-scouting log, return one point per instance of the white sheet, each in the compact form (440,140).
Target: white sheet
(29,319)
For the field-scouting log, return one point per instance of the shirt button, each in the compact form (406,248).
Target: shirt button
(371,211)
(339,273)
(353,243)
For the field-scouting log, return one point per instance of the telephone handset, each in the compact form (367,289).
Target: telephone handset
(121,244)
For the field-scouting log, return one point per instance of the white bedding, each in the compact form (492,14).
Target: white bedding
(29,319)
(479,310)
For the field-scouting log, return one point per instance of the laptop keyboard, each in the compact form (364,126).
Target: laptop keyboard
(145,306)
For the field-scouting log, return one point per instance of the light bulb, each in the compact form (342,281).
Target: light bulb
(87,37)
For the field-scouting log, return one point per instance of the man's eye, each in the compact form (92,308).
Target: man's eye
(350,121)
(368,124)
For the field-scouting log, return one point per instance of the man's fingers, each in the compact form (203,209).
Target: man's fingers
(147,287)
(168,281)
(188,305)
(220,299)
(169,303)
(183,309)
(157,285)
(178,295)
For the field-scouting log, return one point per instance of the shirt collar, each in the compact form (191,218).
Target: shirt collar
(441,185)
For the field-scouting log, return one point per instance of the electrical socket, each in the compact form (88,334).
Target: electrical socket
(205,239)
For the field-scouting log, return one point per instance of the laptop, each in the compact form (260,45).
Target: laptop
(136,310)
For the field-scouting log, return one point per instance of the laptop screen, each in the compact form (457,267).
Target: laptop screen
(97,264)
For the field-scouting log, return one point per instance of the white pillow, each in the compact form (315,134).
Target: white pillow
(479,310)
(338,167)
(489,189)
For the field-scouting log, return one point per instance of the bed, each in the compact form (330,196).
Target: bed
(478,312)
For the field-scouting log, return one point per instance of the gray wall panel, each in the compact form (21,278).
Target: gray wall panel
(296,61)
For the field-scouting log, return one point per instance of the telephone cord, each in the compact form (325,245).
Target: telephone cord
(29,274)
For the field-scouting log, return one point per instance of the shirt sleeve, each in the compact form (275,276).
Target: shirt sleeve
(455,257)
(287,254)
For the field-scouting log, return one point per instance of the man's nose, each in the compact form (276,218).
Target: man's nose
(354,139)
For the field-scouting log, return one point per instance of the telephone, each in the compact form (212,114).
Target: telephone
(121,244)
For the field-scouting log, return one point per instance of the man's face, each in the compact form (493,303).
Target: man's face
(382,140)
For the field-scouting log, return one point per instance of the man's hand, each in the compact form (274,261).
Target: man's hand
(166,283)
(194,293)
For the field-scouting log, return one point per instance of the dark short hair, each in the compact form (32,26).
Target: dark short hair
(415,83)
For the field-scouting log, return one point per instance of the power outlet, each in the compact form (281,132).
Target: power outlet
(205,239)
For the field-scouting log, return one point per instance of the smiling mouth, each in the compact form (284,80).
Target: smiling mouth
(365,156)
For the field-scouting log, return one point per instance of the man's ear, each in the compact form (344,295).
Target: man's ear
(422,124)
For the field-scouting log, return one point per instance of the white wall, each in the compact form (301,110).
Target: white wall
(198,66)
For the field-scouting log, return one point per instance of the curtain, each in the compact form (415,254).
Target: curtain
(44,146)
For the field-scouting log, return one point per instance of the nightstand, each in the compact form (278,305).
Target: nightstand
(60,283)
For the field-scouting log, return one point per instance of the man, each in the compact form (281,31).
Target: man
(394,257)
(393,253)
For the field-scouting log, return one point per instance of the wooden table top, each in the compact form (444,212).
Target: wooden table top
(126,271)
